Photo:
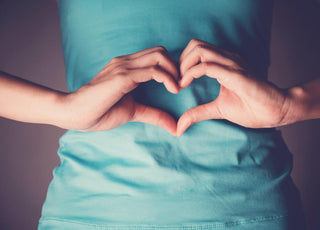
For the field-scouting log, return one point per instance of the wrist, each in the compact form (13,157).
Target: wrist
(298,105)
(77,109)
(71,114)
(61,113)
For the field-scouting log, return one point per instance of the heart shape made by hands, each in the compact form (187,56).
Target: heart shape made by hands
(245,98)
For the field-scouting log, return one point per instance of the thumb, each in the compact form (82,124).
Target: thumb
(197,114)
(154,116)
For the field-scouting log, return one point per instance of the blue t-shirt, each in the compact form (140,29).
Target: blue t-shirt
(218,175)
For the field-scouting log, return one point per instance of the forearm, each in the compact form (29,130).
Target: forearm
(25,101)
(304,102)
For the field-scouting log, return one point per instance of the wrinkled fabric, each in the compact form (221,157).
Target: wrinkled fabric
(218,175)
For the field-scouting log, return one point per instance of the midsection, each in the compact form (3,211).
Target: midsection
(94,33)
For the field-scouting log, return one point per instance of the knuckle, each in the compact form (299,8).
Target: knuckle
(161,48)
(116,59)
(204,66)
(189,117)
(122,74)
(190,114)
(154,68)
(200,48)
(232,63)
(218,111)
(230,54)
(160,55)
(159,51)
(121,70)
(236,55)
(194,41)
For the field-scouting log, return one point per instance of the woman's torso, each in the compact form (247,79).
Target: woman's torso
(217,175)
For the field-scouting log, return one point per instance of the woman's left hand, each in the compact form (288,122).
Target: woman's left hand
(243,99)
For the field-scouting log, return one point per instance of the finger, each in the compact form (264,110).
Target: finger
(197,114)
(227,77)
(203,53)
(136,54)
(154,116)
(156,73)
(118,114)
(159,57)
(192,43)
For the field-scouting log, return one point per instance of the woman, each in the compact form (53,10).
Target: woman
(217,175)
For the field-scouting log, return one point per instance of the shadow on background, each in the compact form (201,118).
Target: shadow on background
(295,58)
(30,47)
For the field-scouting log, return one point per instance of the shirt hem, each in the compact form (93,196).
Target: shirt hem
(186,226)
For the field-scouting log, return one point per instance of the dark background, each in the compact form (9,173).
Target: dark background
(30,47)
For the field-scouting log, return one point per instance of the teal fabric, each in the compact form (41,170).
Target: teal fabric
(218,175)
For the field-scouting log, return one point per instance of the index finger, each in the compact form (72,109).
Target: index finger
(192,43)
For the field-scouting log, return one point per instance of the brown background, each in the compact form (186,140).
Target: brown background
(30,48)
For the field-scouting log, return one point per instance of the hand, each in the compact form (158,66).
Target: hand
(242,99)
(106,103)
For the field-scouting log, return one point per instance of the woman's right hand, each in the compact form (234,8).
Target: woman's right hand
(106,103)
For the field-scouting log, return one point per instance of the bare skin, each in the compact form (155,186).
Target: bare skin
(243,99)
(105,102)
(102,104)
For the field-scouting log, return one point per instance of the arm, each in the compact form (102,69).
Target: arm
(25,101)
(102,104)
(304,102)
(243,99)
